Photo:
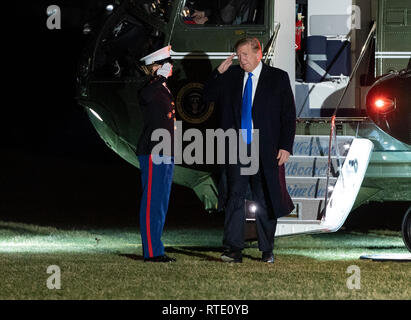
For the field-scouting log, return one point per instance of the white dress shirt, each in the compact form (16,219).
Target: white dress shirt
(256,75)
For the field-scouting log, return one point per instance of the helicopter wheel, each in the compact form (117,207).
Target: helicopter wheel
(406,229)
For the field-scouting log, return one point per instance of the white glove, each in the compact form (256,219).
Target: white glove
(165,70)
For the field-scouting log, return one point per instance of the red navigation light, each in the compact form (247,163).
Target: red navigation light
(379,103)
(384,105)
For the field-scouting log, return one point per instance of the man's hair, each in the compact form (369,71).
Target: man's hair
(255,44)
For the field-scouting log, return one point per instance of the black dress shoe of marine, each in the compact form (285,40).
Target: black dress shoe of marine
(232,256)
(160,259)
(268,256)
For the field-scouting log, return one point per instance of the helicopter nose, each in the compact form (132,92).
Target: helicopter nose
(387,104)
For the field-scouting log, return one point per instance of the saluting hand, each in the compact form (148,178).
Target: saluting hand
(226,64)
(283,156)
(166,70)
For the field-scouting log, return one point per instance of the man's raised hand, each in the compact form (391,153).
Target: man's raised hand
(226,64)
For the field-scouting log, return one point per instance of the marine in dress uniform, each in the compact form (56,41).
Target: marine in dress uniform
(158,111)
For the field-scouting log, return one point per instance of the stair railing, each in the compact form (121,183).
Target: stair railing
(271,43)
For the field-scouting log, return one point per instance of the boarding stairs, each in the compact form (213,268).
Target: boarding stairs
(324,185)
(307,182)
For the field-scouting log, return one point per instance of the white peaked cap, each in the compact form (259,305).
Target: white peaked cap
(158,55)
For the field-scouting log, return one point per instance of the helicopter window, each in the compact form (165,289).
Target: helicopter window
(160,9)
(223,12)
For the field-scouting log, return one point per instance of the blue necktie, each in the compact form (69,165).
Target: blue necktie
(246,121)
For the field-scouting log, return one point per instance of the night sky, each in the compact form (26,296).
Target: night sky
(55,169)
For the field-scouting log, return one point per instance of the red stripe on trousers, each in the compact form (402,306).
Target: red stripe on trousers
(150,176)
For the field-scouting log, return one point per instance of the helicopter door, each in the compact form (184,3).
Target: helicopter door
(323,56)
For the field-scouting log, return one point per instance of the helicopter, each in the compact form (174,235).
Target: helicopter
(349,66)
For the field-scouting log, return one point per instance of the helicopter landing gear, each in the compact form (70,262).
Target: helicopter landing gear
(406,229)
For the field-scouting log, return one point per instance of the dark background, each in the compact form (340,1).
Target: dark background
(55,169)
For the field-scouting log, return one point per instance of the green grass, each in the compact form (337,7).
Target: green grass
(111,267)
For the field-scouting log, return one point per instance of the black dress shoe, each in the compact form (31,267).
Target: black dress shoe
(232,256)
(160,259)
(268,256)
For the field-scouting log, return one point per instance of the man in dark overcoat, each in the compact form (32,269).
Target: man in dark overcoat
(253,95)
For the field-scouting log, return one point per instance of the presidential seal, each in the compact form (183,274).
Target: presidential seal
(190,104)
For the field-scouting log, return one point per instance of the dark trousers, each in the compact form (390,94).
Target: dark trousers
(235,210)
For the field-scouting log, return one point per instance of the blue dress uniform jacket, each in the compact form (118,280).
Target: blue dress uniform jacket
(158,110)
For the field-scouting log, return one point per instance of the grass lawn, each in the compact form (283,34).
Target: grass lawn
(107,264)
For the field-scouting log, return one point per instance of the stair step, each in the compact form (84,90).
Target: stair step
(303,166)
(306,209)
(293,221)
(311,188)
(318,145)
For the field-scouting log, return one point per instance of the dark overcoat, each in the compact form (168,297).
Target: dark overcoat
(273,113)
